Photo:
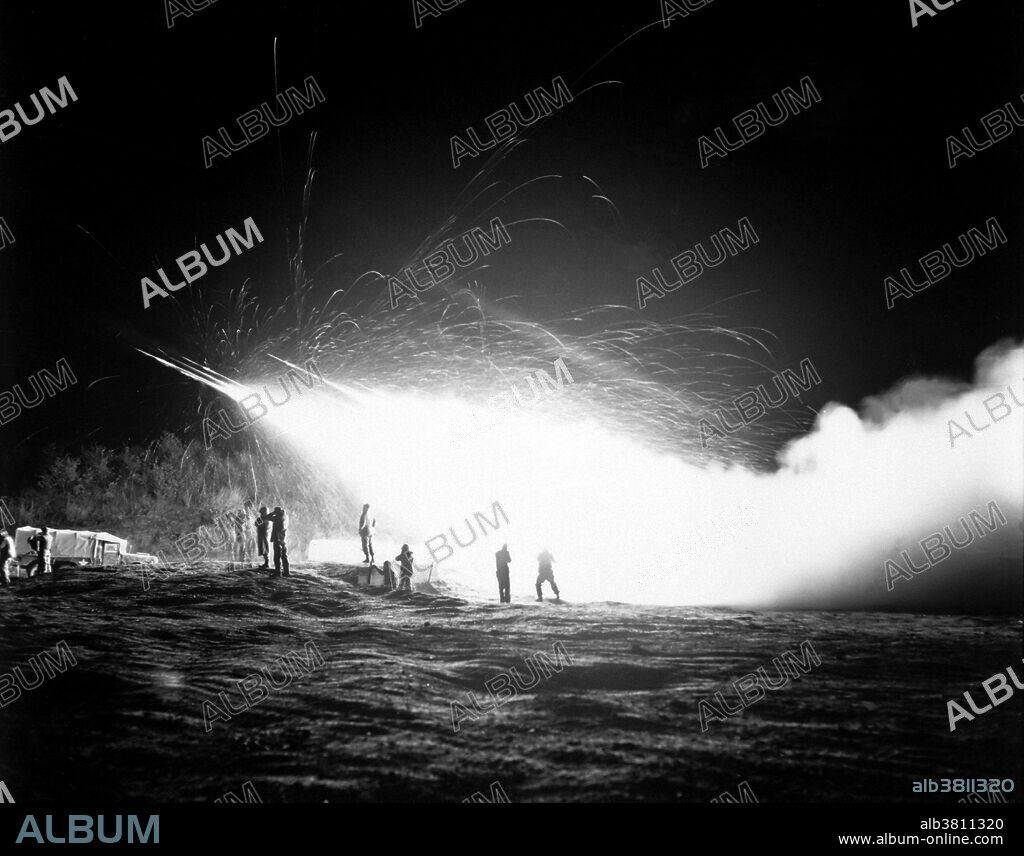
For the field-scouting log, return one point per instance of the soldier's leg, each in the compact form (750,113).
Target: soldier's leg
(284,558)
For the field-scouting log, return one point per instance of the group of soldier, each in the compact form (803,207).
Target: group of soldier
(367,525)
(545,573)
(276,524)
(41,542)
(231,534)
(272,529)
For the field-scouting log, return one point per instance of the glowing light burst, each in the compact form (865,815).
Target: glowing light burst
(618,506)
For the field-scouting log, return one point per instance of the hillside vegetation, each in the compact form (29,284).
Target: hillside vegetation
(156,494)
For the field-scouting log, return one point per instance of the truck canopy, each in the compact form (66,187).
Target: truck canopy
(95,547)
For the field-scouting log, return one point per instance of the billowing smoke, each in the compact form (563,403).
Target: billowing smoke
(914,503)
(929,461)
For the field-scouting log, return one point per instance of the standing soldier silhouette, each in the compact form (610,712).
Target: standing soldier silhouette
(7,552)
(240,551)
(366,527)
(405,560)
(279,535)
(502,559)
(41,543)
(262,543)
(544,572)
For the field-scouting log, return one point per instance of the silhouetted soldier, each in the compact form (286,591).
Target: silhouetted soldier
(6,554)
(235,529)
(278,535)
(405,559)
(502,558)
(262,543)
(544,572)
(41,543)
(366,527)
(389,576)
(240,551)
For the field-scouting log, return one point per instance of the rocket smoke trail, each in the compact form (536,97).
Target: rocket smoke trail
(632,519)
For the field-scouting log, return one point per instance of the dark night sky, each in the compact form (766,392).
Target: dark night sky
(841,196)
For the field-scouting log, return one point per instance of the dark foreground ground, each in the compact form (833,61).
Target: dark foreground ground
(374,722)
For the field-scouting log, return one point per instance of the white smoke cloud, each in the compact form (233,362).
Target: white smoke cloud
(921,456)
